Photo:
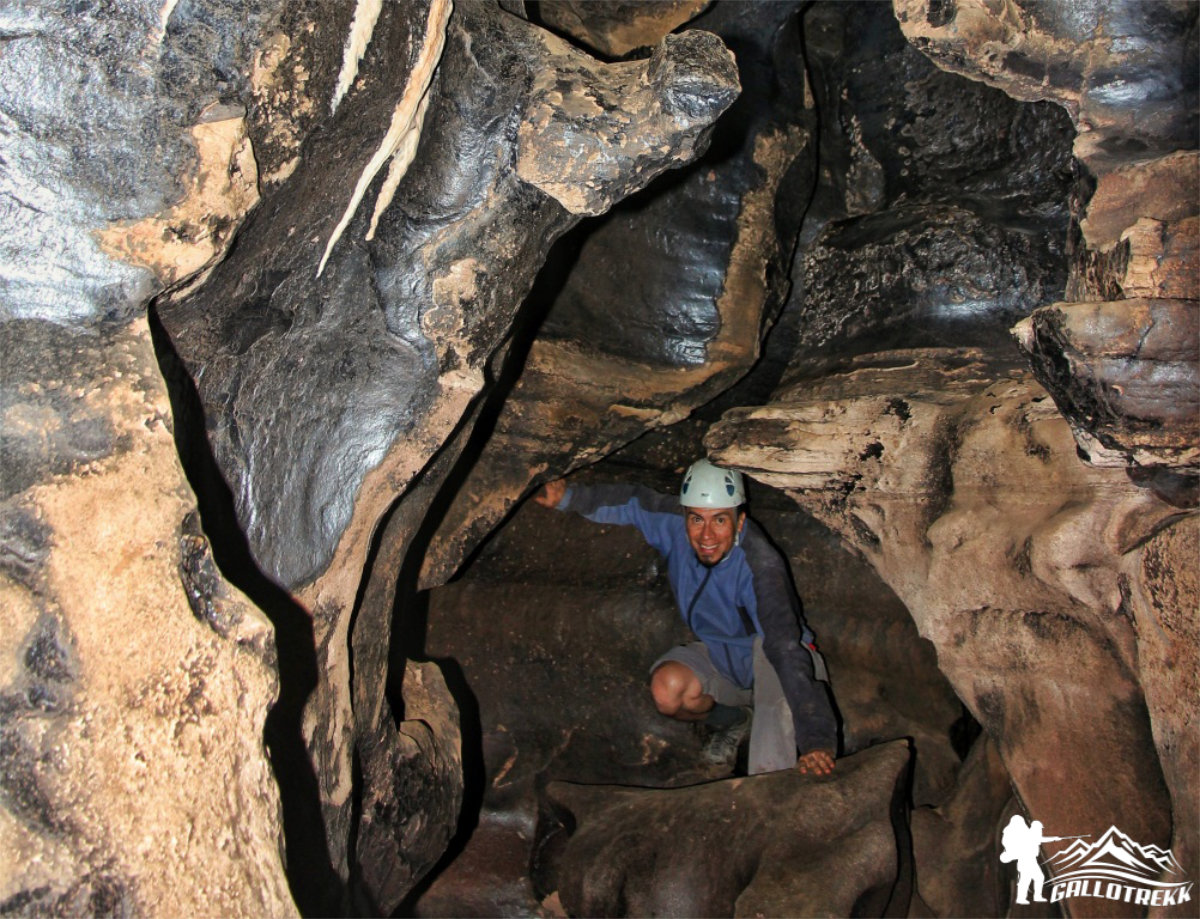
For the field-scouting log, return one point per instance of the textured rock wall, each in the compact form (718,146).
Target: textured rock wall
(406,169)
(134,681)
(960,478)
(932,474)
(413,170)
(709,246)
(340,347)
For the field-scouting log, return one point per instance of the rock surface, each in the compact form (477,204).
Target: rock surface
(1126,374)
(937,465)
(578,612)
(709,244)
(616,27)
(355,333)
(134,680)
(320,418)
(1116,67)
(780,844)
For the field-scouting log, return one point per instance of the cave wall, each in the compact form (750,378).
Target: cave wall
(1014,505)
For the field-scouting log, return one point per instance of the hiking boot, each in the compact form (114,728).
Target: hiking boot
(722,745)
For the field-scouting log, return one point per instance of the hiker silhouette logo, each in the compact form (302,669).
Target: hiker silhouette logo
(1114,867)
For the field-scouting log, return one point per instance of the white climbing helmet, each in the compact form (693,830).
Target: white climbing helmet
(706,485)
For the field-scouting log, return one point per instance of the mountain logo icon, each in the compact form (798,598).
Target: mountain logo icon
(1114,867)
(1114,856)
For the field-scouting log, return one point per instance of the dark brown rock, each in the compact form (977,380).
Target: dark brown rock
(1118,68)
(1126,374)
(955,844)
(710,246)
(780,844)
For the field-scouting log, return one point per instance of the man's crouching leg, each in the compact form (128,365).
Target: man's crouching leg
(678,694)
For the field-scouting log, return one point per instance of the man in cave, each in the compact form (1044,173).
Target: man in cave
(755,669)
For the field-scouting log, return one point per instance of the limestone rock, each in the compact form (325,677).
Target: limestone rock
(1166,190)
(590,137)
(710,246)
(941,215)
(278,373)
(959,872)
(1153,259)
(1118,68)
(127,163)
(896,129)
(616,27)
(920,276)
(780,844)
(1126,374)
(134,680)
(412,790)
(960,484)
(577,613)
(320,417)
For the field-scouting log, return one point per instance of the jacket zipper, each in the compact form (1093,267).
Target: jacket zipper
(696,596)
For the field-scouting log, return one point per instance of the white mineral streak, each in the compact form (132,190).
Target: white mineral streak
(401,160)
(407,117)
(164,15)
(158,31)
(366,14)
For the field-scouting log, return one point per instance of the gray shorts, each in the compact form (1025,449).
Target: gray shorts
(773,734)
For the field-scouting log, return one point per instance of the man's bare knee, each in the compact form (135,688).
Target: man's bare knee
(677,691)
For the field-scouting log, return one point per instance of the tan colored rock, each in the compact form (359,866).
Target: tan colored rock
(960,484)
(649,112)
(1153,259)
(1126,374)
(1165,189)
(134,774)
(194,233)
(616,27)
(1161,582)
(959,872)
(1164,259)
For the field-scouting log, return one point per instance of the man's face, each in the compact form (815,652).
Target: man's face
(711,531)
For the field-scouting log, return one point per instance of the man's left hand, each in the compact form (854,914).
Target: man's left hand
(817,762)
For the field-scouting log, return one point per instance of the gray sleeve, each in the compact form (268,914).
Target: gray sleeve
(779,615)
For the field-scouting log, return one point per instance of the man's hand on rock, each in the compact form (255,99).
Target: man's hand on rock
(551,493)
(816,762)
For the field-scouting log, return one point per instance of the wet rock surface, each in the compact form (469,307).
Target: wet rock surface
(1126,374)
(709,245)
(268,354)
(437,273)
(1114,66)
(942,211)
